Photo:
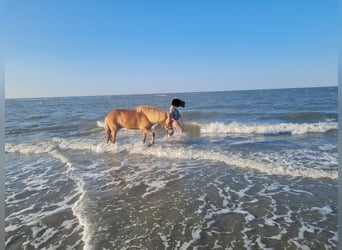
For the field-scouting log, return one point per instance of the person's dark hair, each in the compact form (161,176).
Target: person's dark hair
(178,102)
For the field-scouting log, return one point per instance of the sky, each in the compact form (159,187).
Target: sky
(88,48)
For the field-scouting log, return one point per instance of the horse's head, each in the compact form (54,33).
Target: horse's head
(168,124)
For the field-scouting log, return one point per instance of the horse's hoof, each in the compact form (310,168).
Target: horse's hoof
(150,144)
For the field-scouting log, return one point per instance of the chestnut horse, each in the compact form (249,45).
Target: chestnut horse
(143,118)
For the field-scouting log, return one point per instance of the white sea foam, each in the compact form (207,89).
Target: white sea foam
(78,211)
(271,163)
(326,210)
(196,233)
(53,148)
(266,129)
(250,162)
(100,124)
(154,186)
(48,233)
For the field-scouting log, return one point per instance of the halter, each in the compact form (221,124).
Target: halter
(165,125)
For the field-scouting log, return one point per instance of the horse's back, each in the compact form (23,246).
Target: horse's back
(127,118)
(124,113)
(155,115)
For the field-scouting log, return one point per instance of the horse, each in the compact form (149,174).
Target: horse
(143,118)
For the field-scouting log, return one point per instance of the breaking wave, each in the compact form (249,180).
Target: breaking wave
(266,129)
(288,163)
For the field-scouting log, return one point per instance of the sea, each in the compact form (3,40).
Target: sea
(254,169)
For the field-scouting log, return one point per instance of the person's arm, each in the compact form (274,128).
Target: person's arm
(172,108)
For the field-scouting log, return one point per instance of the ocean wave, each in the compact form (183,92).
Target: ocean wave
(276,166)
(277,163)
(308,116)
(100,124)
(36,117)
(266,129)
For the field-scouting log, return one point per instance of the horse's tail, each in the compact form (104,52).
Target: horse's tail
(107,130)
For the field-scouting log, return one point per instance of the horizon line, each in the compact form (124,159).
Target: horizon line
(177,92)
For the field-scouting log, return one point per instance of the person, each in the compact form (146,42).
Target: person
(175,103)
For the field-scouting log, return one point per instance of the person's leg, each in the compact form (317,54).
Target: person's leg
(176,125)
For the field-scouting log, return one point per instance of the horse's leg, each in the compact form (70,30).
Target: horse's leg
(147,131)
(144,138)
(113,130)
(113,136)
(152,140)
(108,132)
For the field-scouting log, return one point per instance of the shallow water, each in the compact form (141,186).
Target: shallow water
(256,169)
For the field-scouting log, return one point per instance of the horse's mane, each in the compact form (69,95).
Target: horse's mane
(154,115)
